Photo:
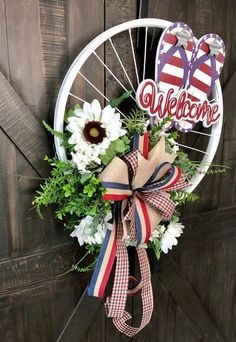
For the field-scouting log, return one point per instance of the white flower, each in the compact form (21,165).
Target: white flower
(99,235)
(168,240)
(92,130)
(86,232)
(158,232)
(174,146)
(83,231)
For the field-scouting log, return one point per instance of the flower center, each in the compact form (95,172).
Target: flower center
(94,132)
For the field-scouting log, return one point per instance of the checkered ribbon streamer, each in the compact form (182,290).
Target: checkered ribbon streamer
(139,185)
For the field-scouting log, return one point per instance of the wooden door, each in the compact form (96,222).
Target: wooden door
(194,286)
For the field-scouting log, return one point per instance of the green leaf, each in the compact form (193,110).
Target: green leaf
(68,114)
(85,177)
(59,215)
(119,146)
(116,101)
(135,121)
(62,136)
(53,132)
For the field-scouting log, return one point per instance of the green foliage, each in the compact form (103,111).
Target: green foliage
(156,246)
(192,167)
(214,169)
(68,114)
(92,251)
(74,195)
(118,147)
(62,136)
(185,164)
(176,216)
(181,197)
(155,130)
(118,100)
(210,171)
(136,121)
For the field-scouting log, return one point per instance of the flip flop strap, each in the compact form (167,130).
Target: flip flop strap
(199,62)
(167,56)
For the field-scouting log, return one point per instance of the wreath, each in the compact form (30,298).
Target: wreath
(126,177)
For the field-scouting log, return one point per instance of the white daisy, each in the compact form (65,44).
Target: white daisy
(168,240)
(92,130)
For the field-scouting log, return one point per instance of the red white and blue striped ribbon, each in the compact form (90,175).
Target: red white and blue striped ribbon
(104,264)
(118,192)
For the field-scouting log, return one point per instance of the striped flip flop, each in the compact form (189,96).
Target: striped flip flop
(206,65)
(173,57)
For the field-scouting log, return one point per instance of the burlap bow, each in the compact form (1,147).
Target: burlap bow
(139,184)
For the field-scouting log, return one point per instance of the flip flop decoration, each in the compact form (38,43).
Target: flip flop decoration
(173,57)
(183,63)
(206,65)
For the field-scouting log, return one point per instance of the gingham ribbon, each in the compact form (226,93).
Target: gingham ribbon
(137,185)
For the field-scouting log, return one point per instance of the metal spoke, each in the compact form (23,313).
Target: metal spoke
(121,64)
(92,85)
(76,97)
(145,52)
(109,70)
(201,133)
(190,148)
(134,58)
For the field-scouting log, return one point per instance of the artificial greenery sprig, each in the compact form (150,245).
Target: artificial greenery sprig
(75,195)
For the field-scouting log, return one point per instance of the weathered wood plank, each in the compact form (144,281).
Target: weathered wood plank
(12,326)
(183,329)
(4,59)
(25,53)
(39,320)
(203,324)
(117,13)
(54,42)
(22,127)
(26,271)
(81,16)
(207,228)
(223,278)
(39,310)
(83,315)
(10,210)
(96,330)
(162,325)
(227,191)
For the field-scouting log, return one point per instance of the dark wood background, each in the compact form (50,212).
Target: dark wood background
(195,286)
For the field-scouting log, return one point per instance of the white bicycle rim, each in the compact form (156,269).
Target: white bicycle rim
(82,58)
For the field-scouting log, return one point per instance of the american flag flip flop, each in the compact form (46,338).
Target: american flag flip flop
(173,57)
(206,65)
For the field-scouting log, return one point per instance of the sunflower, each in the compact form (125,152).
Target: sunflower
(92,130)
